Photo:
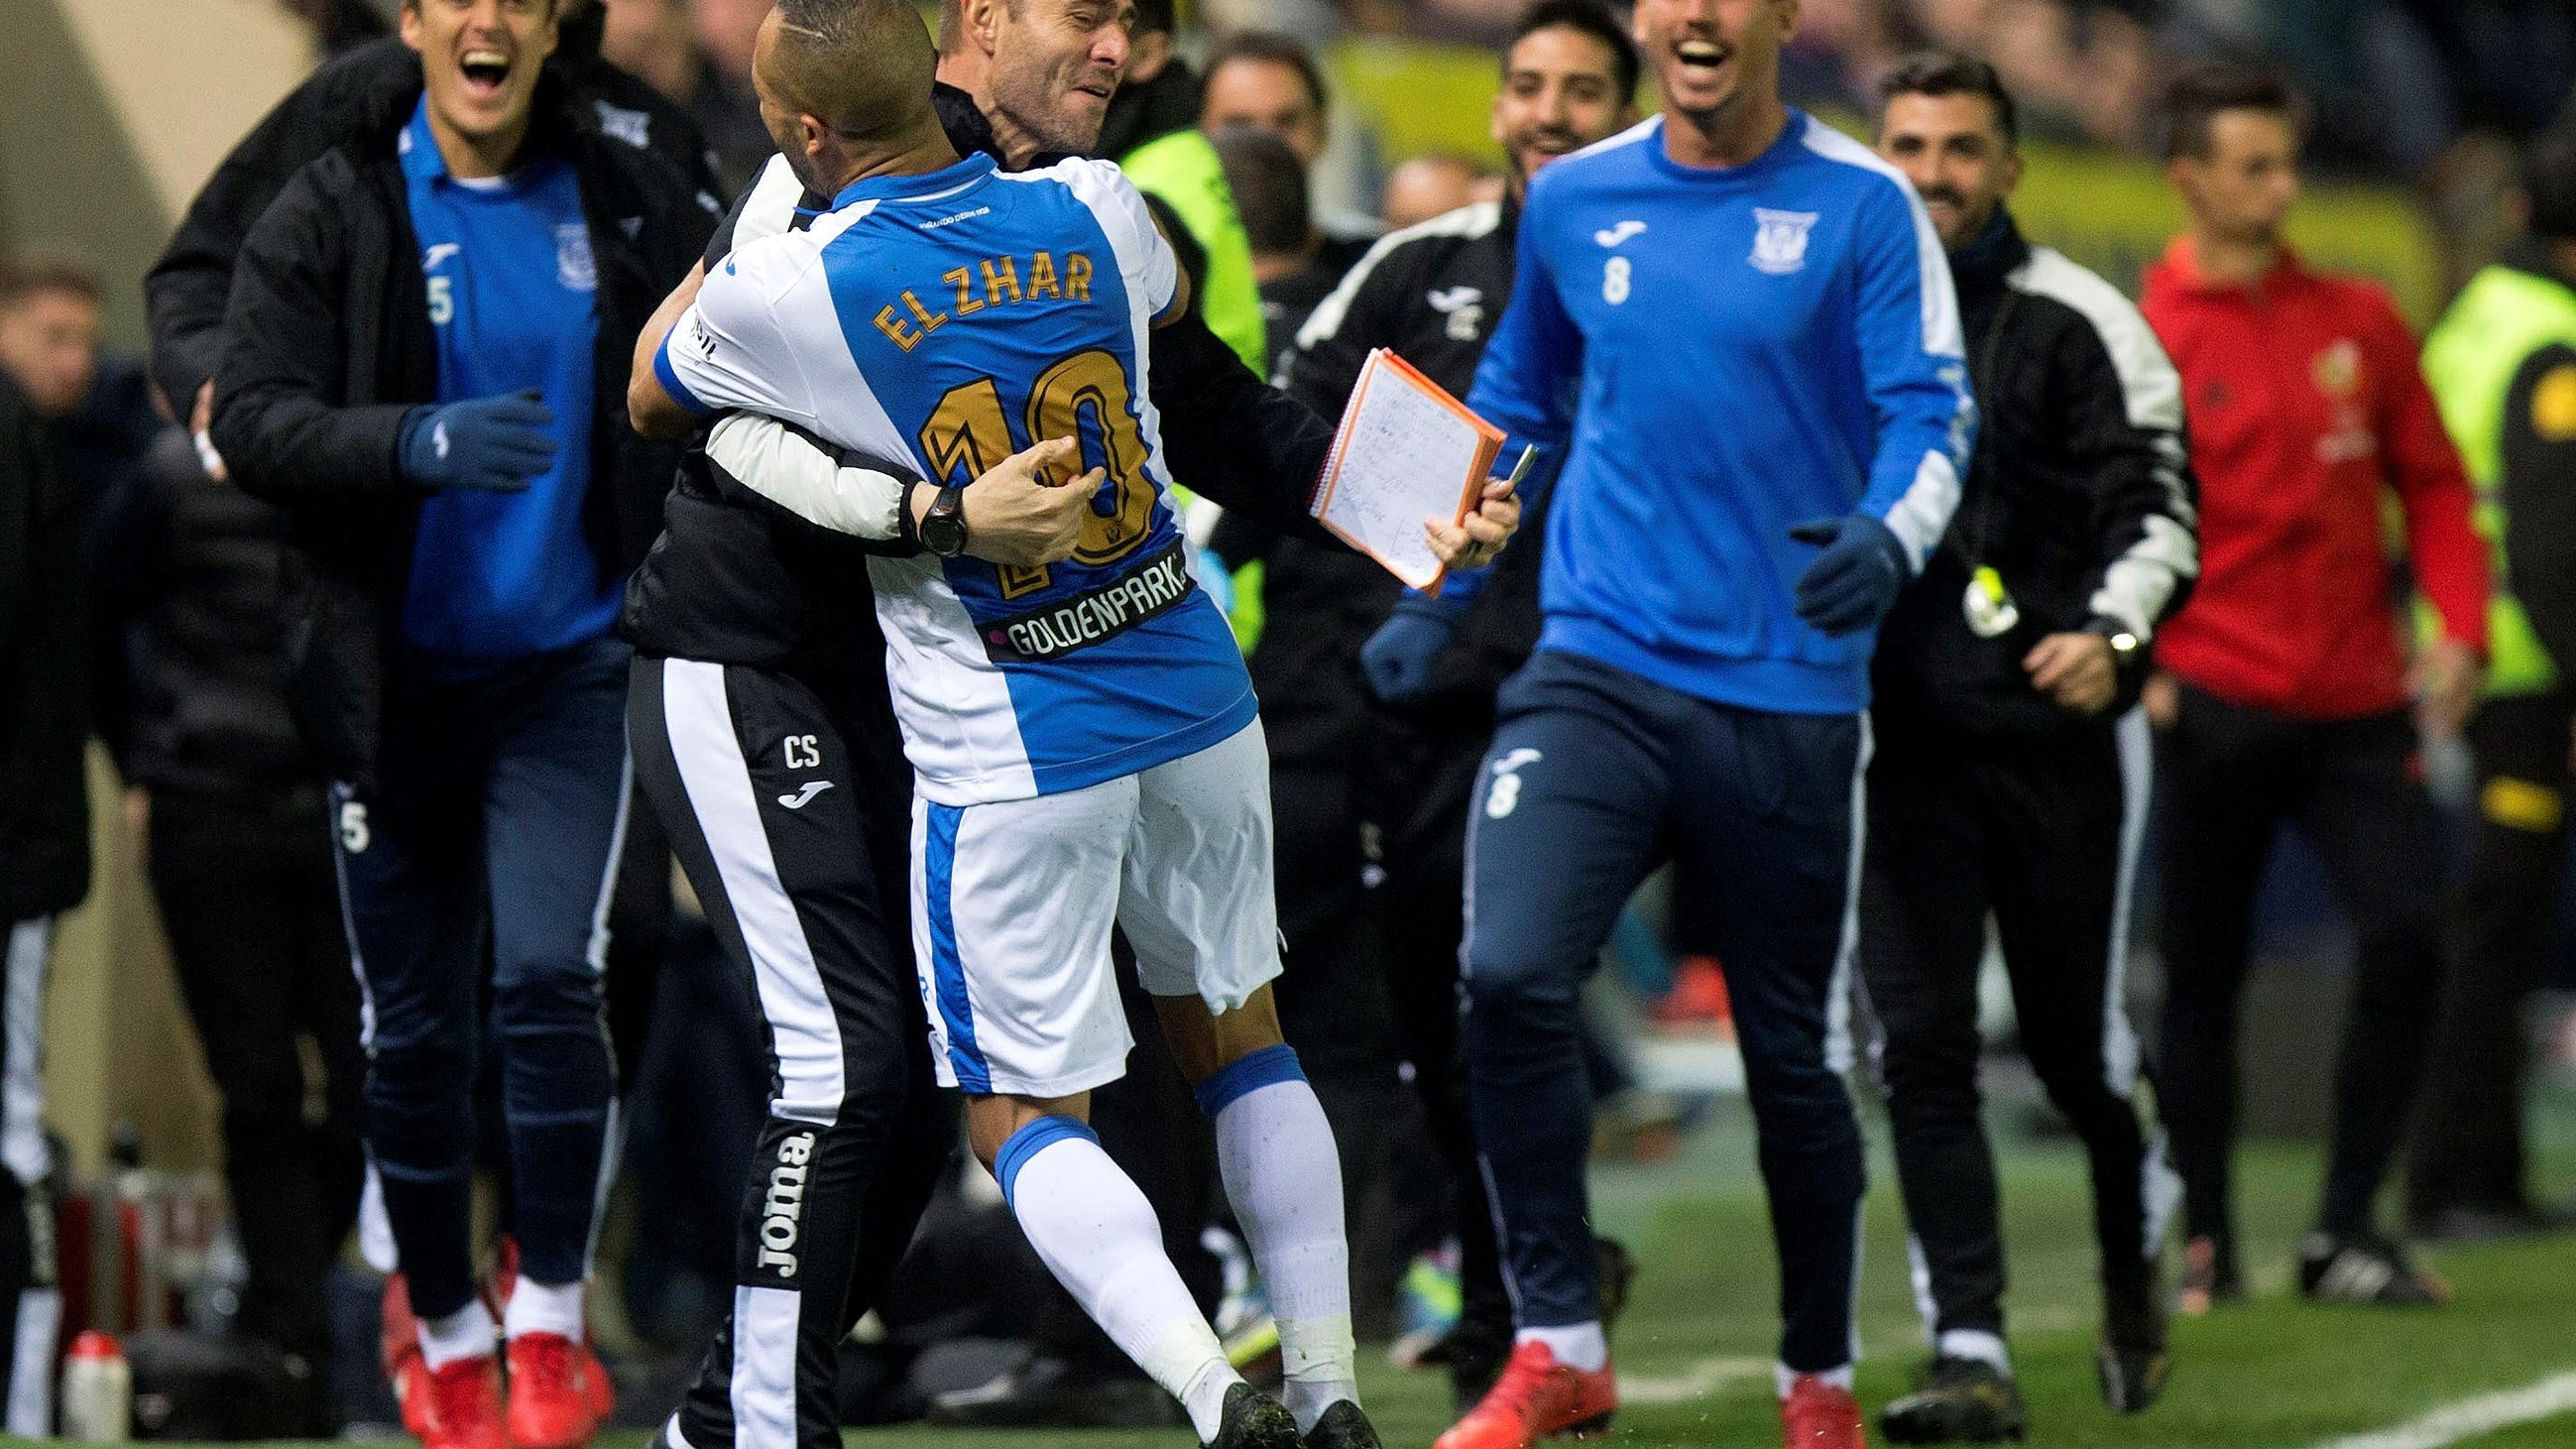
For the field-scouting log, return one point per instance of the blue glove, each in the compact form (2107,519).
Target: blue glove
(1397,659)
(495,444)
(1854,582)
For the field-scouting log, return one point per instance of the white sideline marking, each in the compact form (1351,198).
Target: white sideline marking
(2470,1418)
(1696,1382)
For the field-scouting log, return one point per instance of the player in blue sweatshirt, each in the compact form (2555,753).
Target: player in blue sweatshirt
(1739,325)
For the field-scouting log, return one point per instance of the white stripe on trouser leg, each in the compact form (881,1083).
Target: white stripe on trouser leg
(764,1366)
(22,1076)
(375,1229)
(31,1363)
(1919,1270)
(805,1036)
(1838,1038)
(611,1144)
(2137,779)
(2160,1188)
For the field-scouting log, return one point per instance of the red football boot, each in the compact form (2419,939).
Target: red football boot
(552,1401)
(398,1349)
(461,1404)
(1817,1415)
(1535,1398)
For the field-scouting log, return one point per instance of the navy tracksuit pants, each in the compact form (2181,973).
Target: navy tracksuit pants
(499,802)
(1595,778)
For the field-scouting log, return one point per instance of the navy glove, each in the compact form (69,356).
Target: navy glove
(1397,659)
(1854,582)
(495,444)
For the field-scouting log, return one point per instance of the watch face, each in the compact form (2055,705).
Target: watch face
(943,534)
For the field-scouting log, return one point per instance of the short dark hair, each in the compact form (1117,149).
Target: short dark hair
(2549,181)
(1950,73)
(1153,17)
(1269,185)
(1271,48)
(2198,94)
(22,277)
(1592,18)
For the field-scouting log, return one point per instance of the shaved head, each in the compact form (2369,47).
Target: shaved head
(859,70)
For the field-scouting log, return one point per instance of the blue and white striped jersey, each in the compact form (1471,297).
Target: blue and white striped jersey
(1724,353)
(955,318)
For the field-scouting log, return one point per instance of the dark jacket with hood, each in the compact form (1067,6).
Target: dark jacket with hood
(328,346)
(367,90)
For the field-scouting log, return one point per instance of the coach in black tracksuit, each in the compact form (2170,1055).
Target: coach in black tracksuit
(2010,773)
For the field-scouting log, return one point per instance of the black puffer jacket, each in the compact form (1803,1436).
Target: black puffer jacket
(363,91)
(205,659)
(328,346)
(2079,496)
(44,703)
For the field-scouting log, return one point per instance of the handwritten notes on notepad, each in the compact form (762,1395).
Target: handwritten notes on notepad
(1406,451)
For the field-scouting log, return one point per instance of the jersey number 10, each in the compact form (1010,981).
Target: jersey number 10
(968,435)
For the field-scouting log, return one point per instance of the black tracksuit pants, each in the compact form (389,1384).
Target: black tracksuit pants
(252,911)
(2355,789)
(2468,1150)
(2044,834)
(1372,899)
(787,805)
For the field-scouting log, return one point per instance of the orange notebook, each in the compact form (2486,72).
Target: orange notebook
(1405,451)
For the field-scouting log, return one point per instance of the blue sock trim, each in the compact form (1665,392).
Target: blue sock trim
(1267,1067)
(1031,1140)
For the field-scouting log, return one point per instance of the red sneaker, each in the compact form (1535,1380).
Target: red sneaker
(1817,1415)
(461,1404)
(1536,1397)
(552,1401)
(398,1349)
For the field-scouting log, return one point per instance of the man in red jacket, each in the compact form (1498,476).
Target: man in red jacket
(2288,686)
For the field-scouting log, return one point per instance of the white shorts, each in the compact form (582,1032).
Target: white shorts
(1013,900)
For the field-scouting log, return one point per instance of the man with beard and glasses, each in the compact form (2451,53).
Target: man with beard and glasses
(1380,794)
(2011,772)
(1737,326)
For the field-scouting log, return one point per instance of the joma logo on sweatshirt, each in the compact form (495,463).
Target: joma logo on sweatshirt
(785,1205)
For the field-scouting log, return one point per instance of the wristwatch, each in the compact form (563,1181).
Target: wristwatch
(943,526)
(2124,644)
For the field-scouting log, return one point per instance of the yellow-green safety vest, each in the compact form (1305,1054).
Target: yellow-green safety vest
(2503,316)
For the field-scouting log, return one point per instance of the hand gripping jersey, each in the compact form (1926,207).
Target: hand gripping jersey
(955,318)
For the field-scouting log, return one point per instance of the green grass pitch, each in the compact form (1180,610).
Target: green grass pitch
(2273,1374)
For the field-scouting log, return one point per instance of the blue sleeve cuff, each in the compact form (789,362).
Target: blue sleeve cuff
(669,377)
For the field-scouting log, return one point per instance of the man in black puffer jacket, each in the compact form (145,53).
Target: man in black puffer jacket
(44,852)
(426,352)
(366,89)
(2011,765)
(237,838)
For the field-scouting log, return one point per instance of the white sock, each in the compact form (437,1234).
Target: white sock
(542,1308)
(466,1333)
(1097,1234)
(1785,1378)
(1975,1343)
(1284,1178)
(1576,1345)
